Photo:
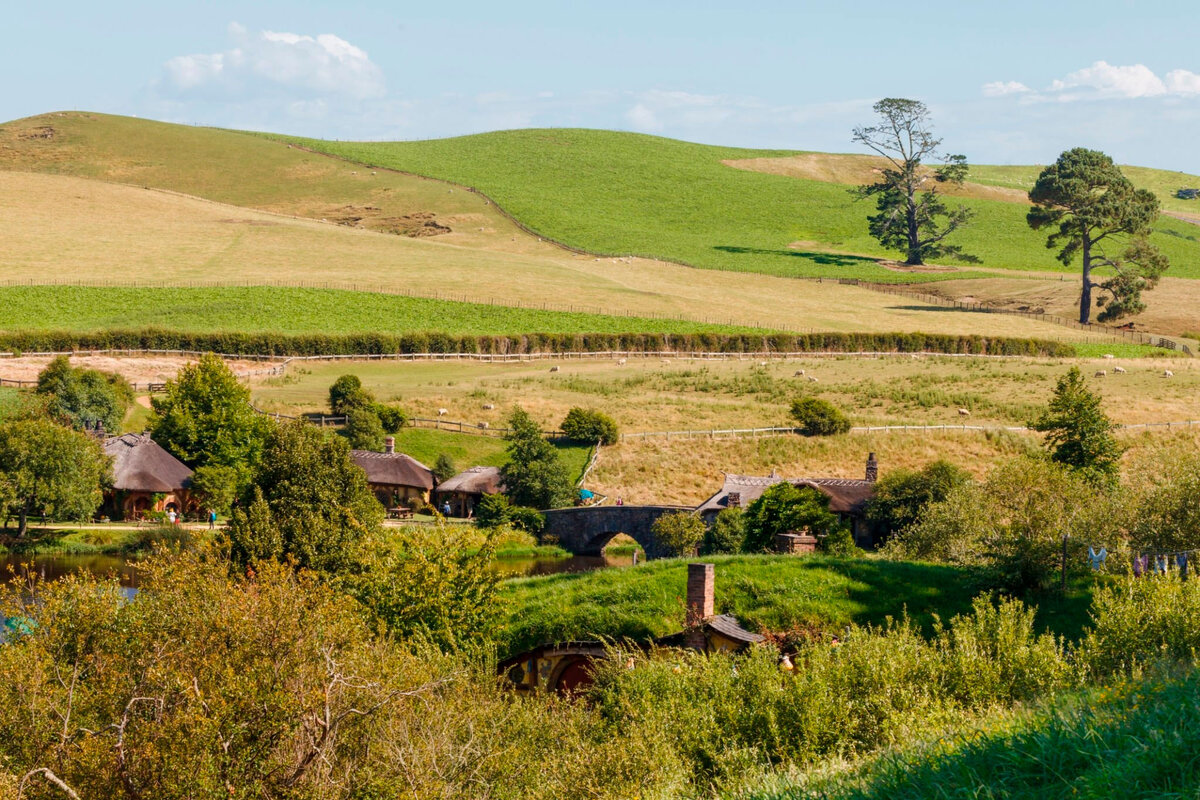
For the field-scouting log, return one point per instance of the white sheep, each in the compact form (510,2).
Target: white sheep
(812,378)
(483,425)
(798,373)
(762,363)
(620,362)
(489,406)
(1168,374)
(1109,355)
(443,412)
(1119,370)
(1101,373)
(962,412)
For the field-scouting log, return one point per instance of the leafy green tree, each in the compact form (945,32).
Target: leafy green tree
(309,504)
(726,534)
(912,217)
(534,475)
(493,511)
(439,589)
(83,397)
(216,486)
(347,392)
(901,495)
(817,417)
(1097,214)
(1168,504)
(205,418)
(1079,434)
(392,419)
(784,508)
(586,425)
(46,468)
(680,532)
(443,468)
(363,430)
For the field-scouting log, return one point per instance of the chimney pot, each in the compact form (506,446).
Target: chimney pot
(700,589)
(389,444)
(872,468)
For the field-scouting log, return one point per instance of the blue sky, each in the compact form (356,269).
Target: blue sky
(1011,82)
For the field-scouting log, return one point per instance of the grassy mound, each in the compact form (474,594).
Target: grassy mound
(624,193)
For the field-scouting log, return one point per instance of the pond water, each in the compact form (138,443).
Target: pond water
(52,567)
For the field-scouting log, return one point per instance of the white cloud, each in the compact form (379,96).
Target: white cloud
(1001,88)
(1180,81)
(278,62)
(1107,80)
(1104,81)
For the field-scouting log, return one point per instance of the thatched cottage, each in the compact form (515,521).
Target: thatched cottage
(146,478)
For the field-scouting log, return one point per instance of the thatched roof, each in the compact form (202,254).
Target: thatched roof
(846,495)
(393,469)
(476,480)
(141,465)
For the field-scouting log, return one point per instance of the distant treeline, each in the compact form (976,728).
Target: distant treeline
(318,344)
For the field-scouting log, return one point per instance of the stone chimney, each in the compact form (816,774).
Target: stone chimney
(389,444)
(872,468)
(700,590)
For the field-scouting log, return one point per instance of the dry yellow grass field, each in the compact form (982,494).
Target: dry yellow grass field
(648,395)
(61,228)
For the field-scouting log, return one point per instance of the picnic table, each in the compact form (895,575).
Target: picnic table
(400,512)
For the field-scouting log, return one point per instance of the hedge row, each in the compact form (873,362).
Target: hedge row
(271,344)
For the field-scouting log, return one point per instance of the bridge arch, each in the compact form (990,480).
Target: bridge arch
(586,530)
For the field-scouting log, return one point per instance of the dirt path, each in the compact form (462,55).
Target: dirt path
(135,369)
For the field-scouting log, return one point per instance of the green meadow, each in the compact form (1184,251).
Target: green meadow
(631,194)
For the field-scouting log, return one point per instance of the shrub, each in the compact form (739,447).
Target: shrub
(817,417)
(492,511)
(363,430)
(392,419)
(347,393)
(527,519)
(901,496)
(727,534)
(1142,620)
(840,543)
(785,508)
(680,532)
(590,426)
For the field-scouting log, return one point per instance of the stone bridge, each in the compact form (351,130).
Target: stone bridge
(586,530)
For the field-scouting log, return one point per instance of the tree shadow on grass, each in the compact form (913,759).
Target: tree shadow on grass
(823,259)
(936,308)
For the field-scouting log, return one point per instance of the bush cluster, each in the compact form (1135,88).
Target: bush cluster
(317,344)
(587,425)
(817,417)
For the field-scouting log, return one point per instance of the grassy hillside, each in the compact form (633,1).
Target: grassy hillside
(768,593)
(61,228)
(628,193)
(293,311)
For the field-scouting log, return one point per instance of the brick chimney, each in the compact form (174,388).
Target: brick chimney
(389,444)
(872,468)
(700,589)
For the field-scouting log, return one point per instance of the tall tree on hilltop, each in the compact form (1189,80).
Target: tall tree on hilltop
(1095,207)
(912,216)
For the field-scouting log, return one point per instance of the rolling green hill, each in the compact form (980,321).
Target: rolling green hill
(625,193)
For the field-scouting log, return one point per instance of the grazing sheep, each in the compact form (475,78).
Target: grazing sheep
(1120,370)
(489,406)
(1168,374)
(762,363)
(798,373)
(1109,355)
(812,378)
(443,412)
(620,362)
(1101,373)
(666,361)
(554,369)
(483,425)
(962,412)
